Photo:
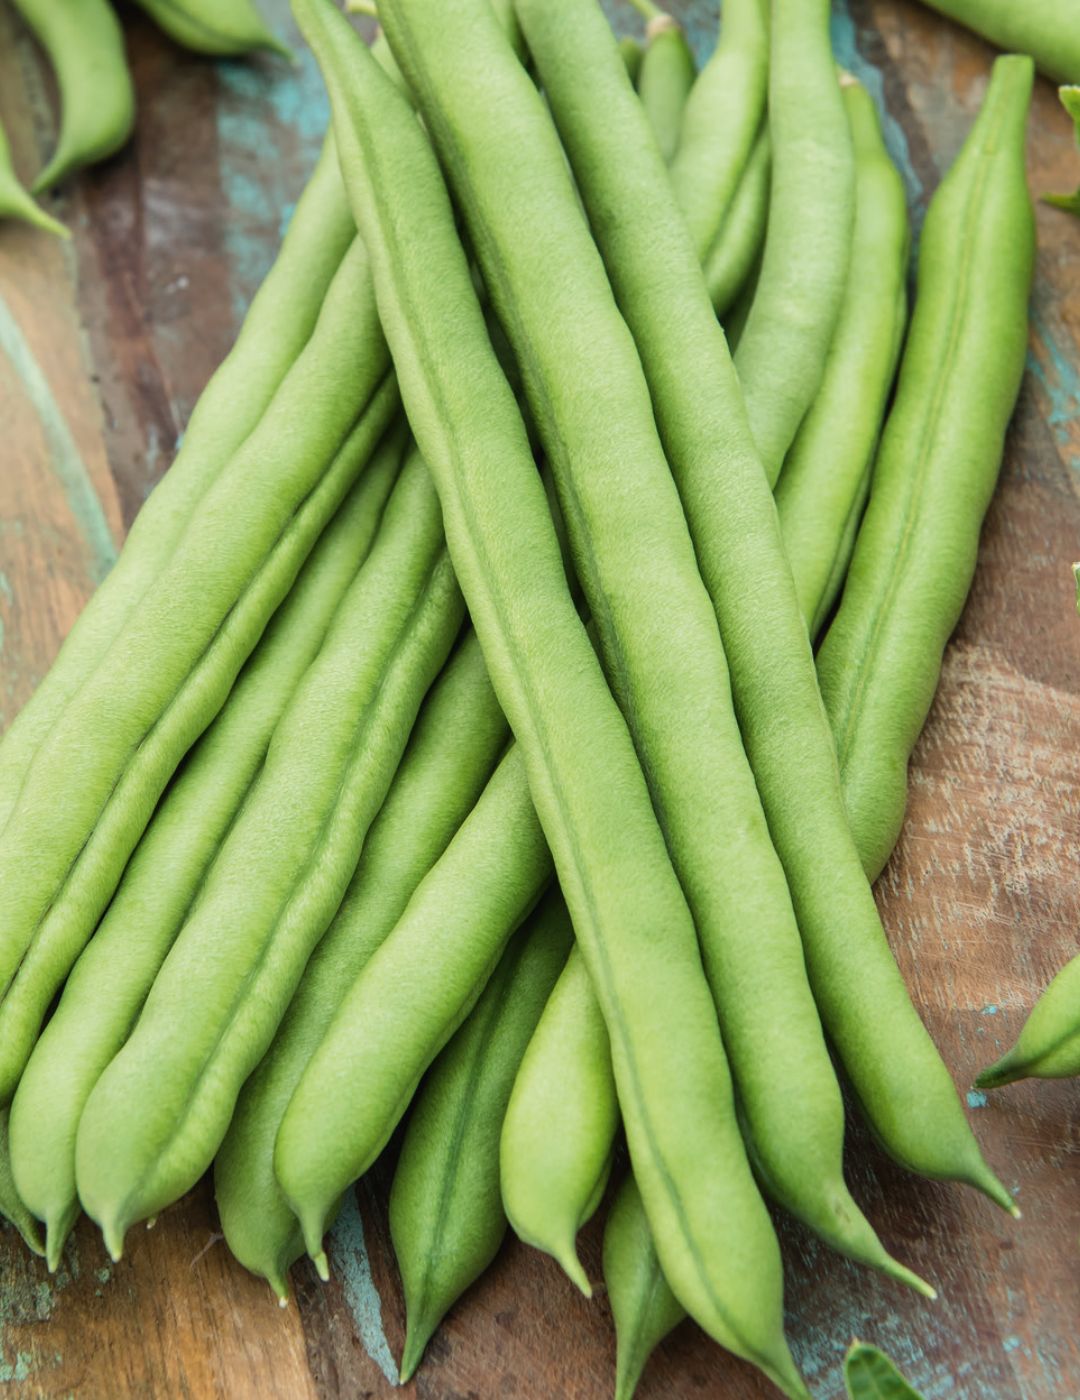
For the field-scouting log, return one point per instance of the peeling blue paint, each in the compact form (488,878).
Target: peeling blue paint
(975,1099)
(348,1252)
(1060,380)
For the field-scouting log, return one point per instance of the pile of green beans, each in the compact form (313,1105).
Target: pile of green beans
(447,752)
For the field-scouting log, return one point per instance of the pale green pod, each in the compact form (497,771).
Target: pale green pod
(664,79)
(222,28)
(1049,1044)
(729,263)
(16,202)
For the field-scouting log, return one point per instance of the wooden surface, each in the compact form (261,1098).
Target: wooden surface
(104,347)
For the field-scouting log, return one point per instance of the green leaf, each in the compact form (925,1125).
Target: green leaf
(1070,100)
(870,1375)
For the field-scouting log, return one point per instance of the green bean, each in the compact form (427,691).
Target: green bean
(826,477)
(870,1375)
(721,122)
(664,80)
(451,753)
(17,202)
(446,1218)
(156,1117)
(643,1306)
(12,1206)
(85,47)
(224,28)
(1048,30)
(631,52)
(1070,100)
(937,465)
(412,994)
(781,354)
(167,674)
(1049,1044)
(864,1005)
(729,262)
(109,983)
(274,332)
(559,1135)
(628,910)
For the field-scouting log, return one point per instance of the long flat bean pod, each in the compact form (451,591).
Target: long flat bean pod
(937,466)
(446,1218)
(413,993)
(156,1117)
(1048,30)
(85,46)
(721,120)
(1049,1044)
(862,998)
(456,742)
(730,261)
(16,202)
(782,350)
(643,1306)
(275,330)
(826,477)
(664,80)
(12,1206)
(121,737)
(109,984)
(629,914)
(558,1137)
(225,28)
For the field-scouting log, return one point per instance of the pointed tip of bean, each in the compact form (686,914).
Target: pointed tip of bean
(903,1274)
(1005,1071)
(279,1286)
(417,1336)
(322,1265)
(567,1260)
(113,1233)
(985,1181)
(54,1247)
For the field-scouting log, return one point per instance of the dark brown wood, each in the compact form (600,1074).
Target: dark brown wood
(981,901)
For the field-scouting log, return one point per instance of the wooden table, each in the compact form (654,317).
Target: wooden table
(104,346)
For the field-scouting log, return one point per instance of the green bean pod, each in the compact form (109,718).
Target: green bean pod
(664,80)
(407,997)
(721,122)
(1048,30)
(826,476)
(157,1116)
(729,263)
(632,53)
(589,397)
(109,983)
(455,745)
(16,202)
(85,47)
(121,737)
(582,770)
(782,350)
(446,1218)
(861,995)
(643,1306)
(221,28)
(937,466)
(12,1206)
(558,1137)
(1049,1044)
(275,331)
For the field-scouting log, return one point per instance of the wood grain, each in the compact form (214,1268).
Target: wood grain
(981,901)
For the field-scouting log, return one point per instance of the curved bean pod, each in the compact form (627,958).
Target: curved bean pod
(592,405)
(826,476)
(452,750)
(782,349)
(446,1218)
(1049,1044)
(1048,30)
(608,849)
(12,1206)
(721,122)
(558,1137)
(631,52)
(275,330)
(643,1306)
(224,28)
(937,466)
(664,80)
(407,998)
(864,1005)
(85,46)
(730,261)
(16,202)
(121,737)
(109,983)
(156,1117)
